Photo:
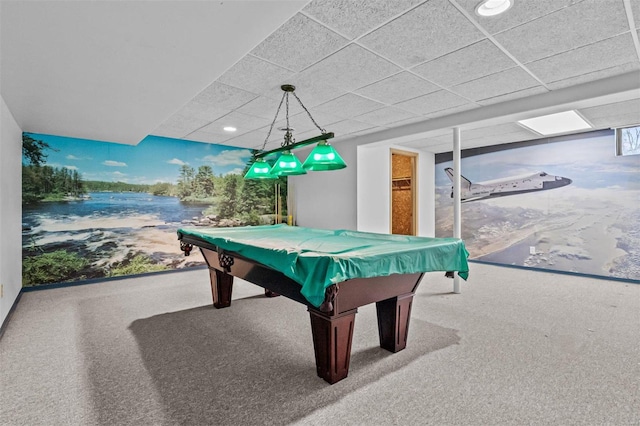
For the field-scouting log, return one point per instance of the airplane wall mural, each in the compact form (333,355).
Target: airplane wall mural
(512,185)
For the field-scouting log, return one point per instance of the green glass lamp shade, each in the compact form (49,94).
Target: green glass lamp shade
(260,169)
(287,164)
(324,157)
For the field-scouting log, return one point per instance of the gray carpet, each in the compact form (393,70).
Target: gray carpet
(516,347)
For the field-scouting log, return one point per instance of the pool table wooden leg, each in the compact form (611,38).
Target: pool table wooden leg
(393,321)
(221,287)
(332,338)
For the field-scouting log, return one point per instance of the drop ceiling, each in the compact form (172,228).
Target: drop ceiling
(376,71)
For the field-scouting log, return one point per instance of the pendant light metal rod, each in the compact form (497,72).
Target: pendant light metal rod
(291,147)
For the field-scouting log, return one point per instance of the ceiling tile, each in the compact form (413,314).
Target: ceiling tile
(253,139)
(471,62)
(222,96)
(452,110)
(349,105)
(384,116)
(494,131)
(243,122)
(397,88)
(519,13)
(520,94)
(187,123)
(500,83)
(346,127)
(208,112)
(426,32)
(201,136)
(635,9)
(302,123)
(622,120)
(267,107)
(583,60)
(400,123)
(597,75)
(500,139)
(310,91)
(432,102)
(299,43)
(577,25)
(254,74)
(446,140)
(615,114)
(351,68)
(354,18)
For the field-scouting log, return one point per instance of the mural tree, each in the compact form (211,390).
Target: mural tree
(228,205)
(45,183)
(631,141)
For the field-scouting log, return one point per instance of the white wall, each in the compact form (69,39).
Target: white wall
(358,197)
(327,200)
(374,177)
(374,197)
(10,209)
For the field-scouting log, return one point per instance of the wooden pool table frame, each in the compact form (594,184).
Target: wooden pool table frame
(332,323)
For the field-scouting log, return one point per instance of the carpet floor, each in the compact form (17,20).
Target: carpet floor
(515,348)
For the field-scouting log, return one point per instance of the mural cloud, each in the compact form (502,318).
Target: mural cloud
(114,163)
(177,161)
(237,157)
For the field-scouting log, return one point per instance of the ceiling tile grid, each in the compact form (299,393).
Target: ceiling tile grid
(243,122)
(354,18)
(469,63)
(432,102)
(351,68)
(310,91)
(500,83)
(397,88)
(254,75)
(385,116)
(266,107)
(586,59)
(362,66)
(349,105)
(519,94)
(625,113)
(516,15)
(308,39)
(223,96)
(411,38)
(580,24)
(302,123)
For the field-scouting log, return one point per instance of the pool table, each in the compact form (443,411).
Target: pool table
(332,273)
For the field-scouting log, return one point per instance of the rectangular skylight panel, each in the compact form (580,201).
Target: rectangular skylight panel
(552,124)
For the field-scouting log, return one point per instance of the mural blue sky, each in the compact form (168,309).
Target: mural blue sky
(153,160)
(588,159)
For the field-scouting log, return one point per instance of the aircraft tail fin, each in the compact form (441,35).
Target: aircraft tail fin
(464,182)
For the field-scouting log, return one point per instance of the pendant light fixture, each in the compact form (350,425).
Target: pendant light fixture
(260,169)
(323,157)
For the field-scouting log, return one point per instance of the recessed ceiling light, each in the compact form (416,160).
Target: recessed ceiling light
(493,7)
(552,124)
(229,129)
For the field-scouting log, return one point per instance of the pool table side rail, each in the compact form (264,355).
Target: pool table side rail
(352,293)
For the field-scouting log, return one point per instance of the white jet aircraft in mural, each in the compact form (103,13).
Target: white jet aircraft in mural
(507,186)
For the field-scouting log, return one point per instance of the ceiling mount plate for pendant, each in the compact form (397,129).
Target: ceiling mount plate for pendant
(288,87)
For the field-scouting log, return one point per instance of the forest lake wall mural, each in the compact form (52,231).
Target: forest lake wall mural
(95,209)
(586,220)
